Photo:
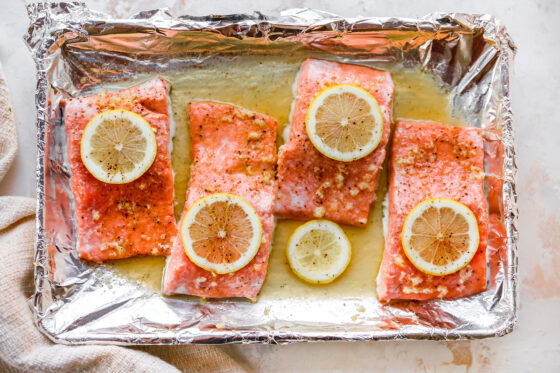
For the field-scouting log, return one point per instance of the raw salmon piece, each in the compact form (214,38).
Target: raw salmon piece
(119,221)
(234,151)
(311,185)
(433,161)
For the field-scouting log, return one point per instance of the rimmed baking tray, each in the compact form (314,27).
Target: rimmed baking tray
(78,51)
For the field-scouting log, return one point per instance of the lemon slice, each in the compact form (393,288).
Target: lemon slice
(221,233)
(319,251)
(344,122)
(440,236)
(118,146)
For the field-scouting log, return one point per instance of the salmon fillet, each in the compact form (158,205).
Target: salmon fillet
(433,161)
(234,151)
(312,185)
(119,221)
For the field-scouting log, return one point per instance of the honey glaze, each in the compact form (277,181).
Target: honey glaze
(264,84)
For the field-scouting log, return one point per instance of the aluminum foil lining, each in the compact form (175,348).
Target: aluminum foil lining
(76,49)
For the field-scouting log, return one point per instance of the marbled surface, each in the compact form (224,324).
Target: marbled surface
(535,344)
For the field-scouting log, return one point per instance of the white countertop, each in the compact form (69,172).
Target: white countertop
(535,344)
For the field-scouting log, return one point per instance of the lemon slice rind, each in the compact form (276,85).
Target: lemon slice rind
(251,249)
(109,172)
(312,272)
(472,232)
(360,151)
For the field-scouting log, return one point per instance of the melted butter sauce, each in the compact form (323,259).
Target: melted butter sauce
(264,84)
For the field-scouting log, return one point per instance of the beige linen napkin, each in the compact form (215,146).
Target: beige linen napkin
(22,347)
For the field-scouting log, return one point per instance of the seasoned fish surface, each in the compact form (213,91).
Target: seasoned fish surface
(312,185)
(234,151)
(117,221)
(433,161)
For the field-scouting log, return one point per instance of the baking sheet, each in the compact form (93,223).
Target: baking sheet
(77,49)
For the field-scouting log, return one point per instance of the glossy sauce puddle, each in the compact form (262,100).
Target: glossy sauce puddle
(264,84)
